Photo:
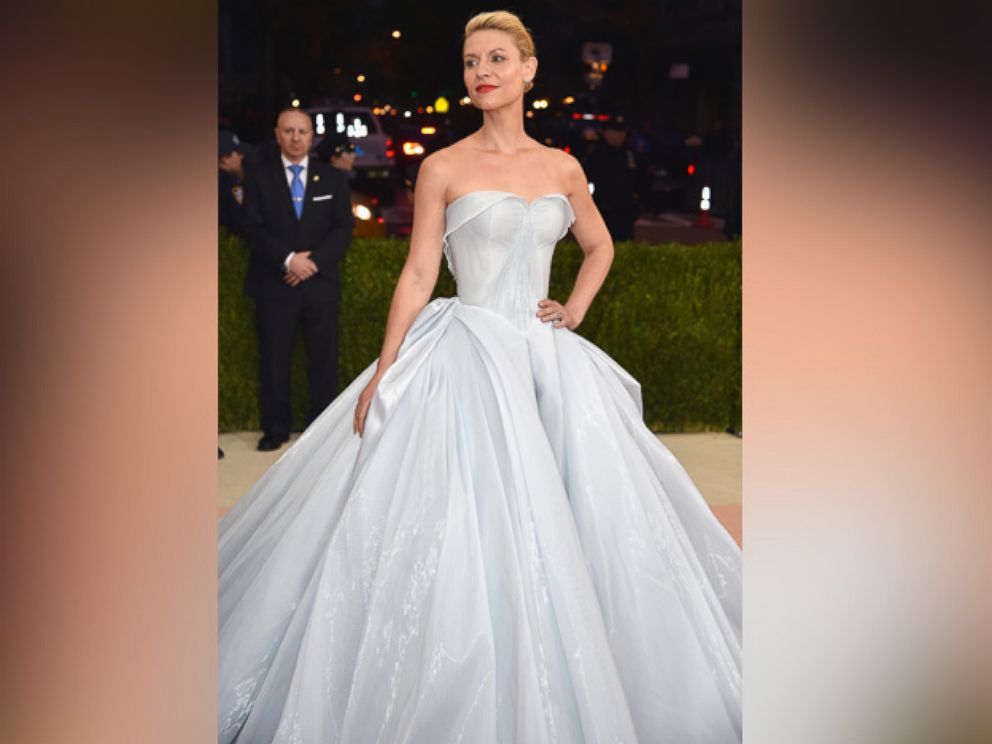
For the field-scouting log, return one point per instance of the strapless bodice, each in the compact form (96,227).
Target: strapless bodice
(499,248)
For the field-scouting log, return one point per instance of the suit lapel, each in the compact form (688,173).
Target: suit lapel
(281,185)
(314,171)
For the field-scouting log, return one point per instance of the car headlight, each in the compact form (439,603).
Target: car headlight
(361,212)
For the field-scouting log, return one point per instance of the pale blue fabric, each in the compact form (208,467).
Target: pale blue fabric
(508,555)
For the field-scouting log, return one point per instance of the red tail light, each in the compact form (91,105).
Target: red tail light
(691,169)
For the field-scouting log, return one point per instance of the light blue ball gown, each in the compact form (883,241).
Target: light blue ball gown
(509,555)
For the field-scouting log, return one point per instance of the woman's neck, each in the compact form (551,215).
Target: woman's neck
(503,129)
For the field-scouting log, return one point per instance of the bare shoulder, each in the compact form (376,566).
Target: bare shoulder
(567,169)
(442,165)
(453,153)
(566,164)
(435,171)
(436,164)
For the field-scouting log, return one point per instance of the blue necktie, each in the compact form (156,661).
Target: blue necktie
(296,188)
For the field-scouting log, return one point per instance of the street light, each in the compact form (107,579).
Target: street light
(396,34)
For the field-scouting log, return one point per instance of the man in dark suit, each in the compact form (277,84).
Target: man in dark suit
(298,221)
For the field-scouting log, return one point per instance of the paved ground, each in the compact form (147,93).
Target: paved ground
(677,227)
(712,459)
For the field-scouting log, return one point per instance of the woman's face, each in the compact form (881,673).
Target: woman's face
(493,71)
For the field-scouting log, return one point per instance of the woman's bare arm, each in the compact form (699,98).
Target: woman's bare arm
(419,275)
(420,272)
(593,237)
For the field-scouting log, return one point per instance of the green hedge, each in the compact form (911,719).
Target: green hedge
(669,314)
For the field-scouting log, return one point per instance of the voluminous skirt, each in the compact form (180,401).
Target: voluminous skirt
(508,555)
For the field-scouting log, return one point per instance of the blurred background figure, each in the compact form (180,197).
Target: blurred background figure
(230,186)
(340,153)
(588,140)
(611,170)
(337,150)
(230,182)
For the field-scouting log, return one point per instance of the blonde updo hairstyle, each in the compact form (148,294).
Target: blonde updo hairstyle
(508,23)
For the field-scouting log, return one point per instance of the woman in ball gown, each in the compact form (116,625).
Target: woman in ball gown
(479,540)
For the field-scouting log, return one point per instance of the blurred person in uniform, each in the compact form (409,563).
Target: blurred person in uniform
(612,170)
(230,186)
(299,223)
(337,150)
(230,182)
